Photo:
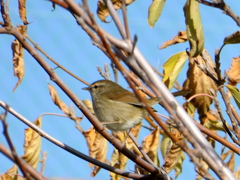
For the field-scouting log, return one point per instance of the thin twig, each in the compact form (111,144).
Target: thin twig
(55,62)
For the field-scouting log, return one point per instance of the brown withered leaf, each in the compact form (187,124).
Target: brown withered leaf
(56,99)
(172,153)
(18,61)
(97,146)
(199,83)
(102,10)
(180,38)
(22,11)
(151,144)
(231,162)
(32,145)
(234,72)
(194,27)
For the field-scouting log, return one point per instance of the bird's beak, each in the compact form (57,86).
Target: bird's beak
(86,88)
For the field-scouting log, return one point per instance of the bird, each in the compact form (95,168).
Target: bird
(117,108)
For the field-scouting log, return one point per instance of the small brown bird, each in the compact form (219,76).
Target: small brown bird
(116,107)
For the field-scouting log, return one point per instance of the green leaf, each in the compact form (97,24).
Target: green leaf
(172,67)
(154,11)
(233,38)
(235,93)
(194,27)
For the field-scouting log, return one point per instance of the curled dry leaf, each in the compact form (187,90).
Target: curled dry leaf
(194,27)
(234,72)
(119,160)
(56,99)
(12,173)
(151,144)
(97,146)
(231,162)
(172,153)
(203,85)
(18,61)
(180,38)
(237,173)
(212,121)
(155,11)
(233,38)
(22,11)
(32,145)
(102,10)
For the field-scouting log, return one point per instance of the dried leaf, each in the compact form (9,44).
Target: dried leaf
(22,11)
(155,11)
(213,121)
(56,99)
(151,144)
(194,27)
(233,38)
(103,12)
(173,154)
(97,146)
(234,72)
(11,174)
(119,160)
(172,67)
(235,93)
(180,38)
(231,162)
(18,61)
(237,173)
(203,85)
(32,145)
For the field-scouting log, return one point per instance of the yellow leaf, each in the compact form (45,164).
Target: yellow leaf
(235,93)
(233,38)
(18,61)
(234,73)
(32,145)
(102,10)
(194,27)
(155,11)
(180,38)
(172,67)
(22,11)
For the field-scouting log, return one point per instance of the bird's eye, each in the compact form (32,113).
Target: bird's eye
(95,87)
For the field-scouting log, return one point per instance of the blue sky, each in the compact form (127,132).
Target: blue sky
(57,33)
